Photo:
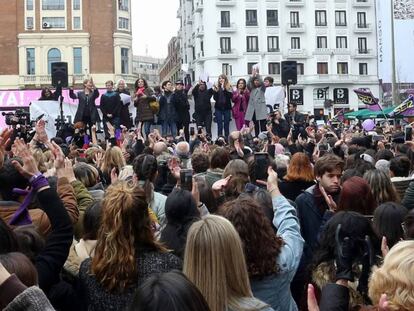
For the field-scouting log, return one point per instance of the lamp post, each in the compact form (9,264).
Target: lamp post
(395,92)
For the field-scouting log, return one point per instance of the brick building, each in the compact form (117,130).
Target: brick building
(171,69)
(93,37)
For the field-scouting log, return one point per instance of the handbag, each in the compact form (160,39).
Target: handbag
(154,106)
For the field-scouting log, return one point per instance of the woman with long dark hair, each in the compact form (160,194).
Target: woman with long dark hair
(240,99)
(272,260)
(181,212)
(125,116)
(143,96)
(146,169)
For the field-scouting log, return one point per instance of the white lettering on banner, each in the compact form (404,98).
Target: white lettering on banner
(51,111)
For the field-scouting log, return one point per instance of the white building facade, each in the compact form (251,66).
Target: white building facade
(333,42)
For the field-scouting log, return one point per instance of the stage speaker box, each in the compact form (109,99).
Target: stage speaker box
(289,72)
(60,74)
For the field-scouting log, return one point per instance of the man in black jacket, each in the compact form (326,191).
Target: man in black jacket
(180,101)
(111,106)
(202,105)
(295,119)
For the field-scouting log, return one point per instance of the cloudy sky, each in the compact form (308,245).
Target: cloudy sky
(154,22)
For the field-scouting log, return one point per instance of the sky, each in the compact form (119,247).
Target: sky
(154,22)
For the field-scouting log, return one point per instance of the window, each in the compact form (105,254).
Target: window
(321,42)
(225,45)
(226,69)
(295,43)
(123,5)
(322,68)
(77,22)
(320,18)
(251,18)
(76,4)
(274,68)
(124,61)
(53,4)
(362,46)
(300,68)
(272,18)
(53,22)
(77,61)
(341,42)
(252,44)
(273,44)
(29,5)
(53,56)
(342,68)
(361,20)
(294,20)
(123,23)
(225,18)
(363,69)
(30,61)
(250,68)
(340,18)
(29,23)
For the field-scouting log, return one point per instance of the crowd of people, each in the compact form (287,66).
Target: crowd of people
(281,214)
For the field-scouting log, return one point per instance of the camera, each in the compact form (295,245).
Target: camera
(20,116)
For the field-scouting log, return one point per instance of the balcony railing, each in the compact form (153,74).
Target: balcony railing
(295,3)
(227,54)
(362,3)
(364,53)
(226,2)
(231,27)
(295,27)
(297,53)
(363,28)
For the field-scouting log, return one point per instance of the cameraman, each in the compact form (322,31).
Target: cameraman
(295,119)
(280,127)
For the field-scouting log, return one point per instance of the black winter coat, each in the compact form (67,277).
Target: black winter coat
(227,103)
(202,103)
(168,111)
(181,104)
(111,105)
(86,106)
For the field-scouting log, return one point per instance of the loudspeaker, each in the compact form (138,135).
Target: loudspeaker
(289,72)
(60,74)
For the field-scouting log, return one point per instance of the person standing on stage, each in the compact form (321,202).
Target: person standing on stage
(125,115)
(182,106)
(202,105)
(87,112)
(143,96)
(111,108)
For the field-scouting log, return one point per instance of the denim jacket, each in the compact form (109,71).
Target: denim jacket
(275,289)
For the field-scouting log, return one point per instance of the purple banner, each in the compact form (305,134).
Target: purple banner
(367,98)
(406,108)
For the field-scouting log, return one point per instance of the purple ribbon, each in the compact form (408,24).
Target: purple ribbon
(21,216)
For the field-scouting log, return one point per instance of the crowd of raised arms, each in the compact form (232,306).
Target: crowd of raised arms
(280,214)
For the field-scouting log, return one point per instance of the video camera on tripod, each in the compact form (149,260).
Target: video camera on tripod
(20,116)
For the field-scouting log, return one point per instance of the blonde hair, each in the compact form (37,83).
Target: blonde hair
(214,261)
(395,278)
(126,226)
(227,84)
(113,158)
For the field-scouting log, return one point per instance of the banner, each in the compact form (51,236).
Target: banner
(406,108)
(51,111)
(367,98)
(403,43)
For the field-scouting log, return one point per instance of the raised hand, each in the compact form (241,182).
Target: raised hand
(41,135)
(328,199)
(4,141)
(29,168)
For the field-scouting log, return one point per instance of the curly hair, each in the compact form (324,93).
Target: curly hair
(261,246)
(125,227)
(395,278)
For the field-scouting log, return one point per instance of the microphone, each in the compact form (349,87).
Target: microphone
(39,117)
